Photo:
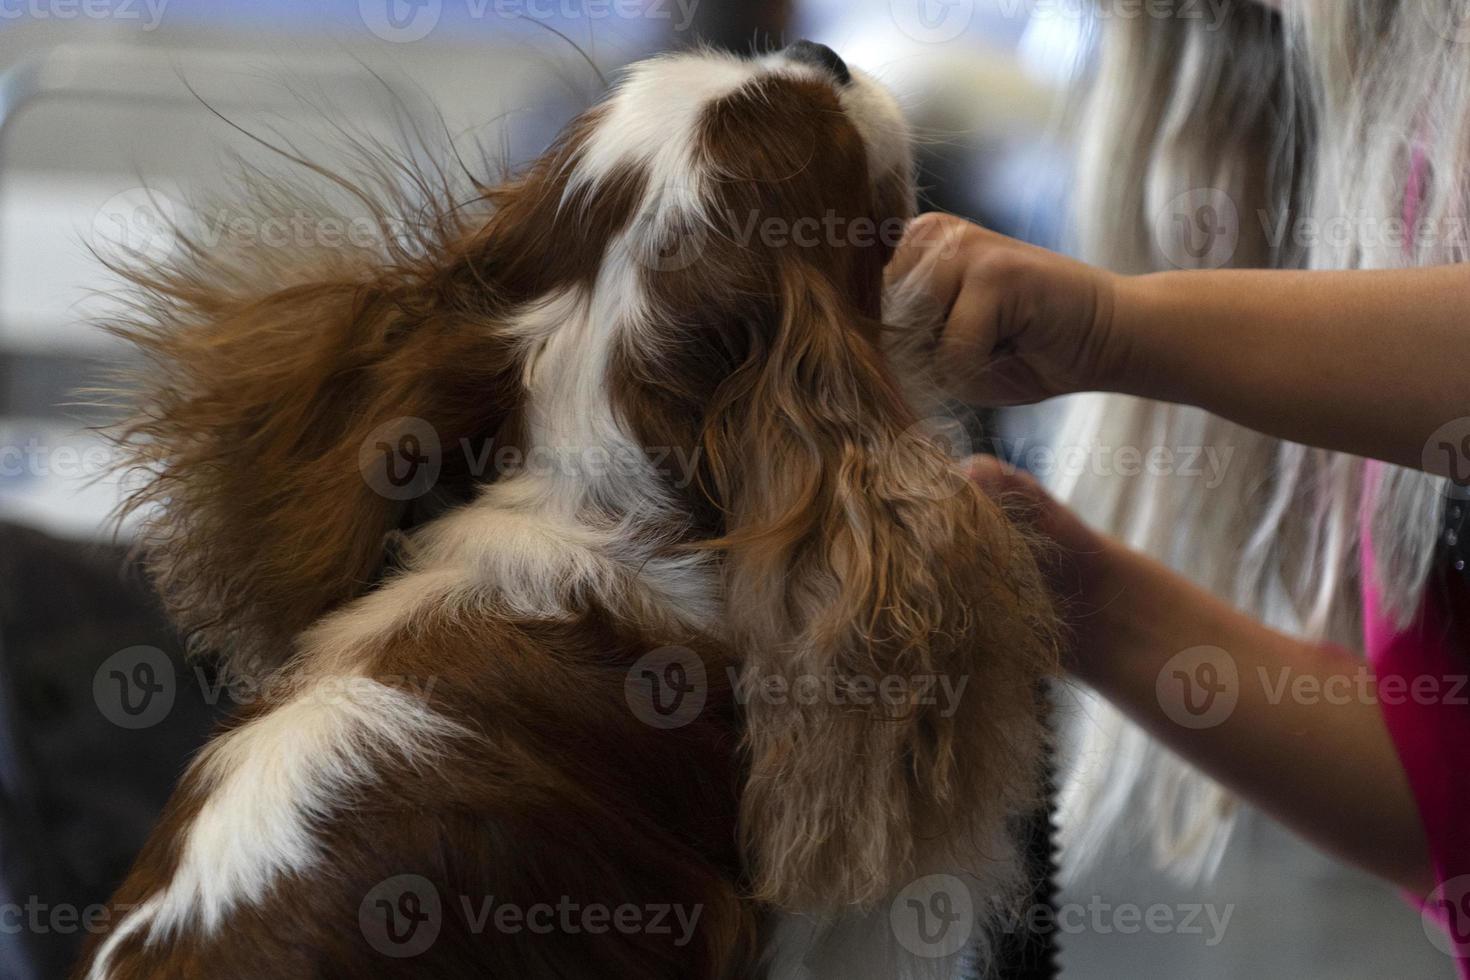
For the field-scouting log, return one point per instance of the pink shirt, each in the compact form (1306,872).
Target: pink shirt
(1423,678)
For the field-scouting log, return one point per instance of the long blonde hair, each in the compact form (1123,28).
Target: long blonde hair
(1295,139)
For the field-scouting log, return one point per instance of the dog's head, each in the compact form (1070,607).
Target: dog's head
(672,321)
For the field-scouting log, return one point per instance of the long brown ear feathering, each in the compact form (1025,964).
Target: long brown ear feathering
(863,565)
(272,363)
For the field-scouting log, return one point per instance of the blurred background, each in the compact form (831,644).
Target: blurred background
(101,136)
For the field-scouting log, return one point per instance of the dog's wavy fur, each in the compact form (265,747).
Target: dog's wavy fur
(822,534)
(268,369)
(856,551)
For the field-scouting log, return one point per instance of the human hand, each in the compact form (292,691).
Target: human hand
(1075,559)
(1108,594)
(1022,324)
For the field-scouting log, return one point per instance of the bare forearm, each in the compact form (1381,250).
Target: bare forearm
(1367,362)
(1292,727)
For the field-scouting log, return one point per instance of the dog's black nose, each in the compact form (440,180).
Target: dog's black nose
(820,56)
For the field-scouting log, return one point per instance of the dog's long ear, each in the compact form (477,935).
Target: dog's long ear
(895,623)
(296,401)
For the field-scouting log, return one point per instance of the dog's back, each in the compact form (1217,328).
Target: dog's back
(471,796)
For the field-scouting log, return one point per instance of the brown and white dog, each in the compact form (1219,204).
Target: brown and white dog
(582,713)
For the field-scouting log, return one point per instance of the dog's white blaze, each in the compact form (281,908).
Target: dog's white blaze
(136,919)
(570,338)
(569,418)
(652,123)
(879,121)
(541,535)
(268,784)
(337,643)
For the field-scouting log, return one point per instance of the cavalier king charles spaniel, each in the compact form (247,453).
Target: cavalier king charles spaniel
(616,612)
